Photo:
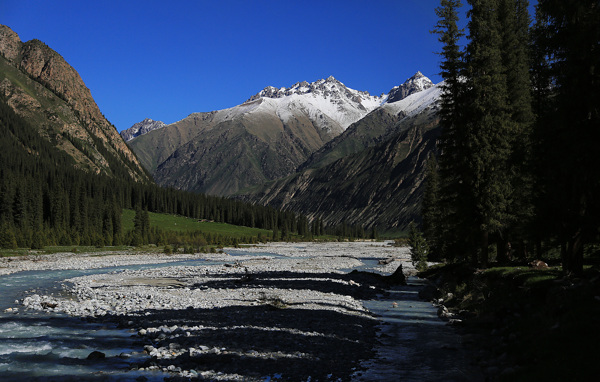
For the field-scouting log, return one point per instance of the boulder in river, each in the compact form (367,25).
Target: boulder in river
(96,355)
(397,277)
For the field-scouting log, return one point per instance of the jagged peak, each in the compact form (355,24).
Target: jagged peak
(418,82)
(322,86)
(10,43)
(141,128)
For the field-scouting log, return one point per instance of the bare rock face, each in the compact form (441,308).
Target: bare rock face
(415,84)
(141,128)
(10,43)
(50,93)
(48,67)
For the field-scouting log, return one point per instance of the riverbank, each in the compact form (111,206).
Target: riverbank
(524,322)
(295,316)
(73,260)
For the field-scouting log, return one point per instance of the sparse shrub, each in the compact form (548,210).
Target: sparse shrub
(418,248)
(274,302)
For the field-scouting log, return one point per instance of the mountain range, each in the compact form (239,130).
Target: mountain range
(283,146)
(320,149)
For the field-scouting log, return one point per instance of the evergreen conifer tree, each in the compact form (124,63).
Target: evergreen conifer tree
(418,247)
(568,36)
(452,222)
(430,208)
(7,237)
(514,22)
(488,128)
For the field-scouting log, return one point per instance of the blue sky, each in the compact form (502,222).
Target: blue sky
(166,59)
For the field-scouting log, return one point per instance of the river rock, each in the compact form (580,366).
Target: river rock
(96,355)
(429,292)
(398,277)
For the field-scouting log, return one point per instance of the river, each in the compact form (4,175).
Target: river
(415,345)
(37,346)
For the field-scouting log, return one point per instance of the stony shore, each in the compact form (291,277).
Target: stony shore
(70,260)
(295,316)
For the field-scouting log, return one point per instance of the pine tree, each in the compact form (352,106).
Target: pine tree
(569,38)
(452,144)
(107,225)
(418,247)
(515,20)
(430,208)
(7,237)
(488,127)
(20,208)
(145,225)
(484,186)
(137,238)
(117,224)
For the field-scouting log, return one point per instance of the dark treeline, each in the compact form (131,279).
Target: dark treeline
(518,165)
(46,200)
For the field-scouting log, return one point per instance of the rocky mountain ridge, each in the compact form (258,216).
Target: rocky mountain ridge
(380,186)
(371,175)
(329,96)
(41,86)
(415,84)
(141,128)
(267,137)
(416,108)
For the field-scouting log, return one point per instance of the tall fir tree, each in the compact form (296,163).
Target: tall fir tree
(568,34)
(489,128)
(452,142)
(430,209)
(514,22)
(486,117)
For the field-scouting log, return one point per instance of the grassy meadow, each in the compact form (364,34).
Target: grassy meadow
(183,224)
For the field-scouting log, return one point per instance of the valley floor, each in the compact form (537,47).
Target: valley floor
(288,311)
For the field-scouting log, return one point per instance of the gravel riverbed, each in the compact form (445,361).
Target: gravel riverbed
(296,316)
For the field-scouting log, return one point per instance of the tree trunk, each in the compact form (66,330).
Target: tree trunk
(485,255)
(563,256)
(502,250)
(538,248)
(574,255)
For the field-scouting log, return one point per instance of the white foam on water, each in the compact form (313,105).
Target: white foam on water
(14,329)
(28,347)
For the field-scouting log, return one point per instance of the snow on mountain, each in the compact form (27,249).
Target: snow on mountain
(416,102)
(141,128)
(415,84)
(328,102)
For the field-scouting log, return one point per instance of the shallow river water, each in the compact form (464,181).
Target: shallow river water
(37,346)
(415,344)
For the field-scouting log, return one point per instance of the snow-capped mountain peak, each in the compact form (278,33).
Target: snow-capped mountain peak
(327,100)
(324,87)
(141,128)
(328,103)
(414,84)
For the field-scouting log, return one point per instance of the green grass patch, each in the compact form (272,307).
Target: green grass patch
(61,249)
(525,276)
(177,223)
